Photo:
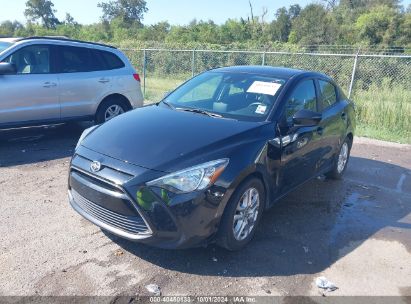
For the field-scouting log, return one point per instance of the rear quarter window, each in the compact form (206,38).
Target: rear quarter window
(111,60)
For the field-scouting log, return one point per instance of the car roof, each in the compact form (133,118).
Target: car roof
(280,72)
(9,39)
(63,39)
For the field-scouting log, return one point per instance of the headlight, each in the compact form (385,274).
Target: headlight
(195,178)
(84,135)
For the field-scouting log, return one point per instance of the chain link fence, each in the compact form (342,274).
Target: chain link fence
(377,83)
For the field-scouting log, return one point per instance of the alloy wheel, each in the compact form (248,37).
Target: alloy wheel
(112,112)
(342,158)
(246,214)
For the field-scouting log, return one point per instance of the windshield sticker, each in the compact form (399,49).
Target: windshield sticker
(267,88)
(261,109)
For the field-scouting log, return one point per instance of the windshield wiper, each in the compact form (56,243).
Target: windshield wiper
(168,104)
(199,111)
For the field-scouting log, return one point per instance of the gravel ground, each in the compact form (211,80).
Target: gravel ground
(356,232)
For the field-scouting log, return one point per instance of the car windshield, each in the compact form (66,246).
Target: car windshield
(4,45)
(240,96)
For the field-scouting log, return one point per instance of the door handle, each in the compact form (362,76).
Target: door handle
(320,130)
(344,116)
(49,84)
(103,80)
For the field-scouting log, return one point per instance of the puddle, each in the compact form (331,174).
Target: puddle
(363,215)
(355,219)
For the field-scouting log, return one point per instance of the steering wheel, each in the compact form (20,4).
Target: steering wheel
(256,104)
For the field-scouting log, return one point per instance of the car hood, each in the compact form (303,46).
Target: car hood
(163,139)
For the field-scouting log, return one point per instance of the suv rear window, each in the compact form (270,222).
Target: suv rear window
(111,60)
(73,59)
(79,59)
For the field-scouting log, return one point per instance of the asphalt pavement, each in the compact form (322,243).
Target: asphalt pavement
(356,232)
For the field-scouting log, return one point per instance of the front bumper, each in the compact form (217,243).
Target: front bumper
(116,200)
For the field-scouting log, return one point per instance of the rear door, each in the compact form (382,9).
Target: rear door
(83,80)
(32,94)
(333,123)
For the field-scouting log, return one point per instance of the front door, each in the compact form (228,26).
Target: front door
(32,94)
(301,146)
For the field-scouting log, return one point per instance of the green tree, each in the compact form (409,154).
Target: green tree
(281,26)
(41,10)
(294,11)
(314,26)
(155,32)
(379,26)
(9,28)
(235,30)
(360,5)
(128,11)
(69,20)
(405,37)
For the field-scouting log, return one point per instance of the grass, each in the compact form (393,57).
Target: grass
(157,87)
(371,132)
(383,112)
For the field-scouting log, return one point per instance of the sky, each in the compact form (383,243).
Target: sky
(174,11)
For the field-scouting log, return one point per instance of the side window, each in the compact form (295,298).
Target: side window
(33,59)
(98,63)
(112,61)
(303,97)
(74,59)
(328,94)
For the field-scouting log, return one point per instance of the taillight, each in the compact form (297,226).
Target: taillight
(137,77)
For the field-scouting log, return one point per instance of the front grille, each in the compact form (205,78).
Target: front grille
(130,224)
(96,181)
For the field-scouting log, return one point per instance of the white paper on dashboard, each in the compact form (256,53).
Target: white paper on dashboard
(261,87)
(261,109)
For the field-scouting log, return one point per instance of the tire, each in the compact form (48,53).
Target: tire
(339,168)
(226,234)
(115,105)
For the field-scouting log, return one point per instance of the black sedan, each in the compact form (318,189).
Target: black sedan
(202,165)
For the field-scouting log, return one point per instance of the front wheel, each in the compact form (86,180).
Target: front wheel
(242,215)
(340,165)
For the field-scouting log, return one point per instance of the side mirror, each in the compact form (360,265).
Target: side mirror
(7,68)
(306,118)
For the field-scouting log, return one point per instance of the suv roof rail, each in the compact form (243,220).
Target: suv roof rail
(64,38)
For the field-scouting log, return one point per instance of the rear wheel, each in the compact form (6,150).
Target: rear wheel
(111,108)
(340,164)
(242,215)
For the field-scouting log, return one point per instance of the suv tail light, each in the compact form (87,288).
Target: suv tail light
(137,77)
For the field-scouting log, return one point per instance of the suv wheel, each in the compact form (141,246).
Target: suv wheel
(242,215)
(340,164)
(109,109)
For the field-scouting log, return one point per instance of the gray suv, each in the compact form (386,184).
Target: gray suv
(45,80)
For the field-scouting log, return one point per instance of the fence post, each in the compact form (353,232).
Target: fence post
(193,63)
(263,63)
(144,72)
(354,70)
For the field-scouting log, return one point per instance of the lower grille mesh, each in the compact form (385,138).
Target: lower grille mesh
(130,224)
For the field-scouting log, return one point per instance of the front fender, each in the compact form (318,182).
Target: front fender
(251,168)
